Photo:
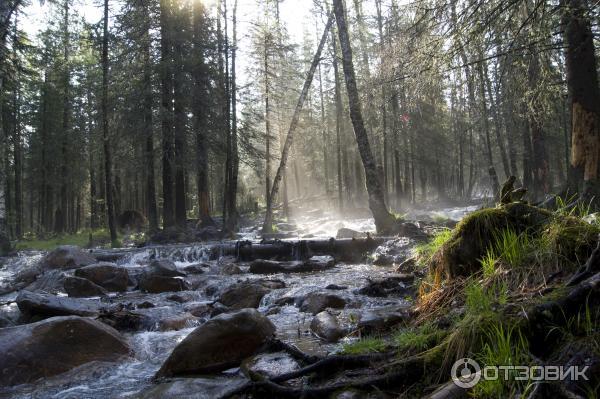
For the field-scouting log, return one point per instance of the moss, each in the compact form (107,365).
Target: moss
(477,233)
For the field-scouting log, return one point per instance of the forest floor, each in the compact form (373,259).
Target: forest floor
(511,285)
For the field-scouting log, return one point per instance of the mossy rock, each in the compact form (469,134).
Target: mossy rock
(470,240)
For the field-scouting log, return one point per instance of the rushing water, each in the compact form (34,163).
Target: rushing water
(131,378)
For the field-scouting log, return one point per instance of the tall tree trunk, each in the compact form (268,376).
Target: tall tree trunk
(384,221)
(61,224)
(383,104)
(17,147)
(148,127)
(268,198)
(232,212)
(338,120)
(541,183)
(199,96)
(486,130)
(107,155)
(180,118)
(167,113)
(582,82)
(268,224)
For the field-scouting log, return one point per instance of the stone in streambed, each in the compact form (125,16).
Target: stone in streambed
(244,295)
(381,319)
(67,257)
(56,345)
(193,388)
(349,233)
(107,275)
(316,302)
(78,287)
(47,305)
(326,326)
(219,344)
(163,267)
(269,365)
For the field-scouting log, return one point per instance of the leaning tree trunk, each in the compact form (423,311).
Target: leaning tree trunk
(268,224)
(582,82)
(384,221)
(107,155)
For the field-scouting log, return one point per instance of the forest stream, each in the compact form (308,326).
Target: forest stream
(170,316)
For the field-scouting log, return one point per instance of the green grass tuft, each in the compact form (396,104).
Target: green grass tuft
(364,345)
(425,251)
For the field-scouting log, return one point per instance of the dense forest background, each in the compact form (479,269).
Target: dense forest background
(144,109)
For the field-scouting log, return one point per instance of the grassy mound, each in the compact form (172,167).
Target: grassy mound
(517,234)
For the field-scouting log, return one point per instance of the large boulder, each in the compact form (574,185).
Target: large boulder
(81,287)
(163,267)
(161,276)
(47,305)
(315,263)
(56,345)
(67,257)
(106,275)
(219,344)
(326,326)
(244,295)
(381,319)
(318,301)
(50,281)
(155,284)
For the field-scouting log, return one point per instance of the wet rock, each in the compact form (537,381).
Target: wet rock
(56,345)
(67,257)
(107,275)
(47,305)
(181,298)
(218,308)
(326,326)
(411,230)
(157,284)
(269,365)
(196,269)
(5,322)
(336,287)
(126,320)
(449,391)
(193,388)
(349,233)
(199,309)
(315,263)
(50,281)
(244,295)
(219,344)
(145,305)
(164,268)
(230,269)
(316,302)
(273,283)
(392,251)
(78,287)
(381,319)
(178,322)
(388,286)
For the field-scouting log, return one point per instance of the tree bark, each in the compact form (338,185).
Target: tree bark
(232,212)
(148,127)
(107,155)
(384,221)
(268,224)
(167,114)
(180,119)
(582,82)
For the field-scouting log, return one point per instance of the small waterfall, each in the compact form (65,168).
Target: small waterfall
(181,254)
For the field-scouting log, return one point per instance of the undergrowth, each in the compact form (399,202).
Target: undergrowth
(364,345)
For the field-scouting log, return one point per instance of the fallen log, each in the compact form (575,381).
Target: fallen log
(341,249)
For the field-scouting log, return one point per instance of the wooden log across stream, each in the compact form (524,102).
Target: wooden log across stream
(346,249)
